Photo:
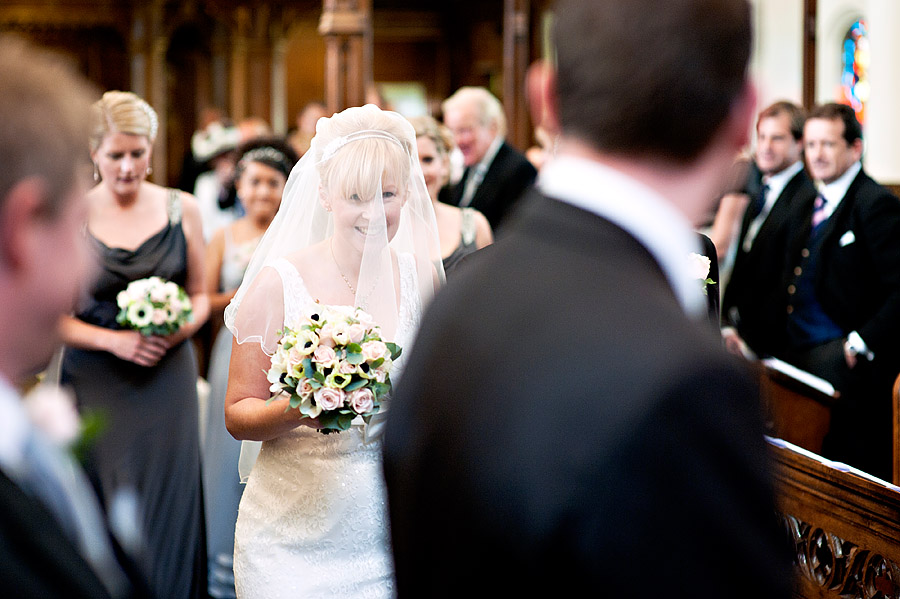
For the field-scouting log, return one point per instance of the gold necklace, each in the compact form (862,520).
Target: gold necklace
(340,272)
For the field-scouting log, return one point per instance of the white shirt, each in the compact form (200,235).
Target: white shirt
(479,170)
(835,191)
(14,429)
(647,216)
(776,184)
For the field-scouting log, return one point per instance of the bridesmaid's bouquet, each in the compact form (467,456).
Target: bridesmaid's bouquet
(334,366)
(154,306)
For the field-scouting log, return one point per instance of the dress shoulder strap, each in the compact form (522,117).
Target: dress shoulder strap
(468,226)
(173,205)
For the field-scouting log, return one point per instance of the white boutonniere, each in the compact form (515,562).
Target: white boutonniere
(700,265)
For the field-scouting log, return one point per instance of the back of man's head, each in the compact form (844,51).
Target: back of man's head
(644,77)
(44,119)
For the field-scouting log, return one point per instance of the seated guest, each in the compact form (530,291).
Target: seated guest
(496,174)
(752,307)
(840,300)
(461,230)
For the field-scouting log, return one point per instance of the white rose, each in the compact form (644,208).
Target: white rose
(52,410)
(700,265)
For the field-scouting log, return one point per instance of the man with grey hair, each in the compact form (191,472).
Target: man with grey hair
(568,420)
(496,174)
(53,539)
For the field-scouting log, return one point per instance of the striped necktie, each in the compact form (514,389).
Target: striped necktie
(818,215)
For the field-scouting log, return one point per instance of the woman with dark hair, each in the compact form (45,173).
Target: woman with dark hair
(261,171)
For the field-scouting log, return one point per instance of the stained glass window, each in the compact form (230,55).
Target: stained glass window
(855,75)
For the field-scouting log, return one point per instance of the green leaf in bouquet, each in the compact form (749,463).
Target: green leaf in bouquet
(395,350)
(354,348)
(295,400)
(355,358)
(357,384)
(318,376)
(315,384)
(377,363)
(335,421)
(380,389)
(307,368)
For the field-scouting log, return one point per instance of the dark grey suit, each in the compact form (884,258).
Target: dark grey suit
(561,422)
(508,176)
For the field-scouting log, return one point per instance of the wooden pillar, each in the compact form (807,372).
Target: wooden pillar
(239,51)
(516,57)
(809,53)
(148,75)
(346,26)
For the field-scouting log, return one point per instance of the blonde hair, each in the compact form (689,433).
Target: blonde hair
(357,148)
(122,112)
(488,107)
(426,126)
(44,120)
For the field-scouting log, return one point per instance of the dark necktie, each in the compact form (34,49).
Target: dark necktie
(758,202)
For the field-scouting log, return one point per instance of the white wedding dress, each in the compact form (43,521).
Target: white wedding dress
(313,519)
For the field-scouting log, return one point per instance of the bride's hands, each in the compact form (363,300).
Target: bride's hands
(134,347)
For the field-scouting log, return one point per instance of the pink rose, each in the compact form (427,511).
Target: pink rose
(52,410)
(305,388)
(329,399)
(159,317)
(362,401)
(346,367)
(326,335)
(372,350)
(324,355)
(356,333)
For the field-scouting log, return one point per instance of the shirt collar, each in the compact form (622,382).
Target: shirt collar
(651,219)
(779,180)
(835,191)
(14,428)
(489,156)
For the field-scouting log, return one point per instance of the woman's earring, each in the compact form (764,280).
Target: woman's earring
(149,171)
(96,173)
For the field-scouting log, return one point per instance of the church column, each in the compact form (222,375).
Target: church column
(148,75)
(346,26)
(883,122)
(516,57)
(240,26)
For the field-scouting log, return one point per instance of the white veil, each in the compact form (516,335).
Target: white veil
(364,158)
(347,159)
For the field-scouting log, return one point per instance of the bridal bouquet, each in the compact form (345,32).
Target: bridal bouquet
(334,366)
(154,306)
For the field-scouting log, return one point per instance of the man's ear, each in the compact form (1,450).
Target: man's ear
(739,124)
(540,87)
(19,211)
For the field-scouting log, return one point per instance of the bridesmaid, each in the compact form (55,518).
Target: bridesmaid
(262,169)
(145,387)
(461,230)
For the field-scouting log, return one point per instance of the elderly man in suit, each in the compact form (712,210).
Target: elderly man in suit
(567,419)
(496,174)
(53,539)
(841,294)
(752,312)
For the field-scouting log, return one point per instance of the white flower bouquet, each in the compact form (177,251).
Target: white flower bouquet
(154,306)
(334,366)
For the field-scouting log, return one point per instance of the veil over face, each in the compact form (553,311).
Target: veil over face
(360,190)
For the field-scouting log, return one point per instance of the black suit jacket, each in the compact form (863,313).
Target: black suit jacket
(753,300)
(508,176)
(858,277)
(36,558)
(562,423)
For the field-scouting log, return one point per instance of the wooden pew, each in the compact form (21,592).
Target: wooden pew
(797,404)
(844,527)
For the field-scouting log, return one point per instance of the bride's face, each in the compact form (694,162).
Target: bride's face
(356,217)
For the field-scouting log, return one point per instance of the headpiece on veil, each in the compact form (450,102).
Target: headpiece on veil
(353,156)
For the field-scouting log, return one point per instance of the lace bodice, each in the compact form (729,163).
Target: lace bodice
(313,519)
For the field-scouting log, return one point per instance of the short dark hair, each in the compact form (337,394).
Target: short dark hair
(841,112)
(648,77)
(45,116)
(795,113)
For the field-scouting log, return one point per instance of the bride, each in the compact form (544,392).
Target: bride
(356,228)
